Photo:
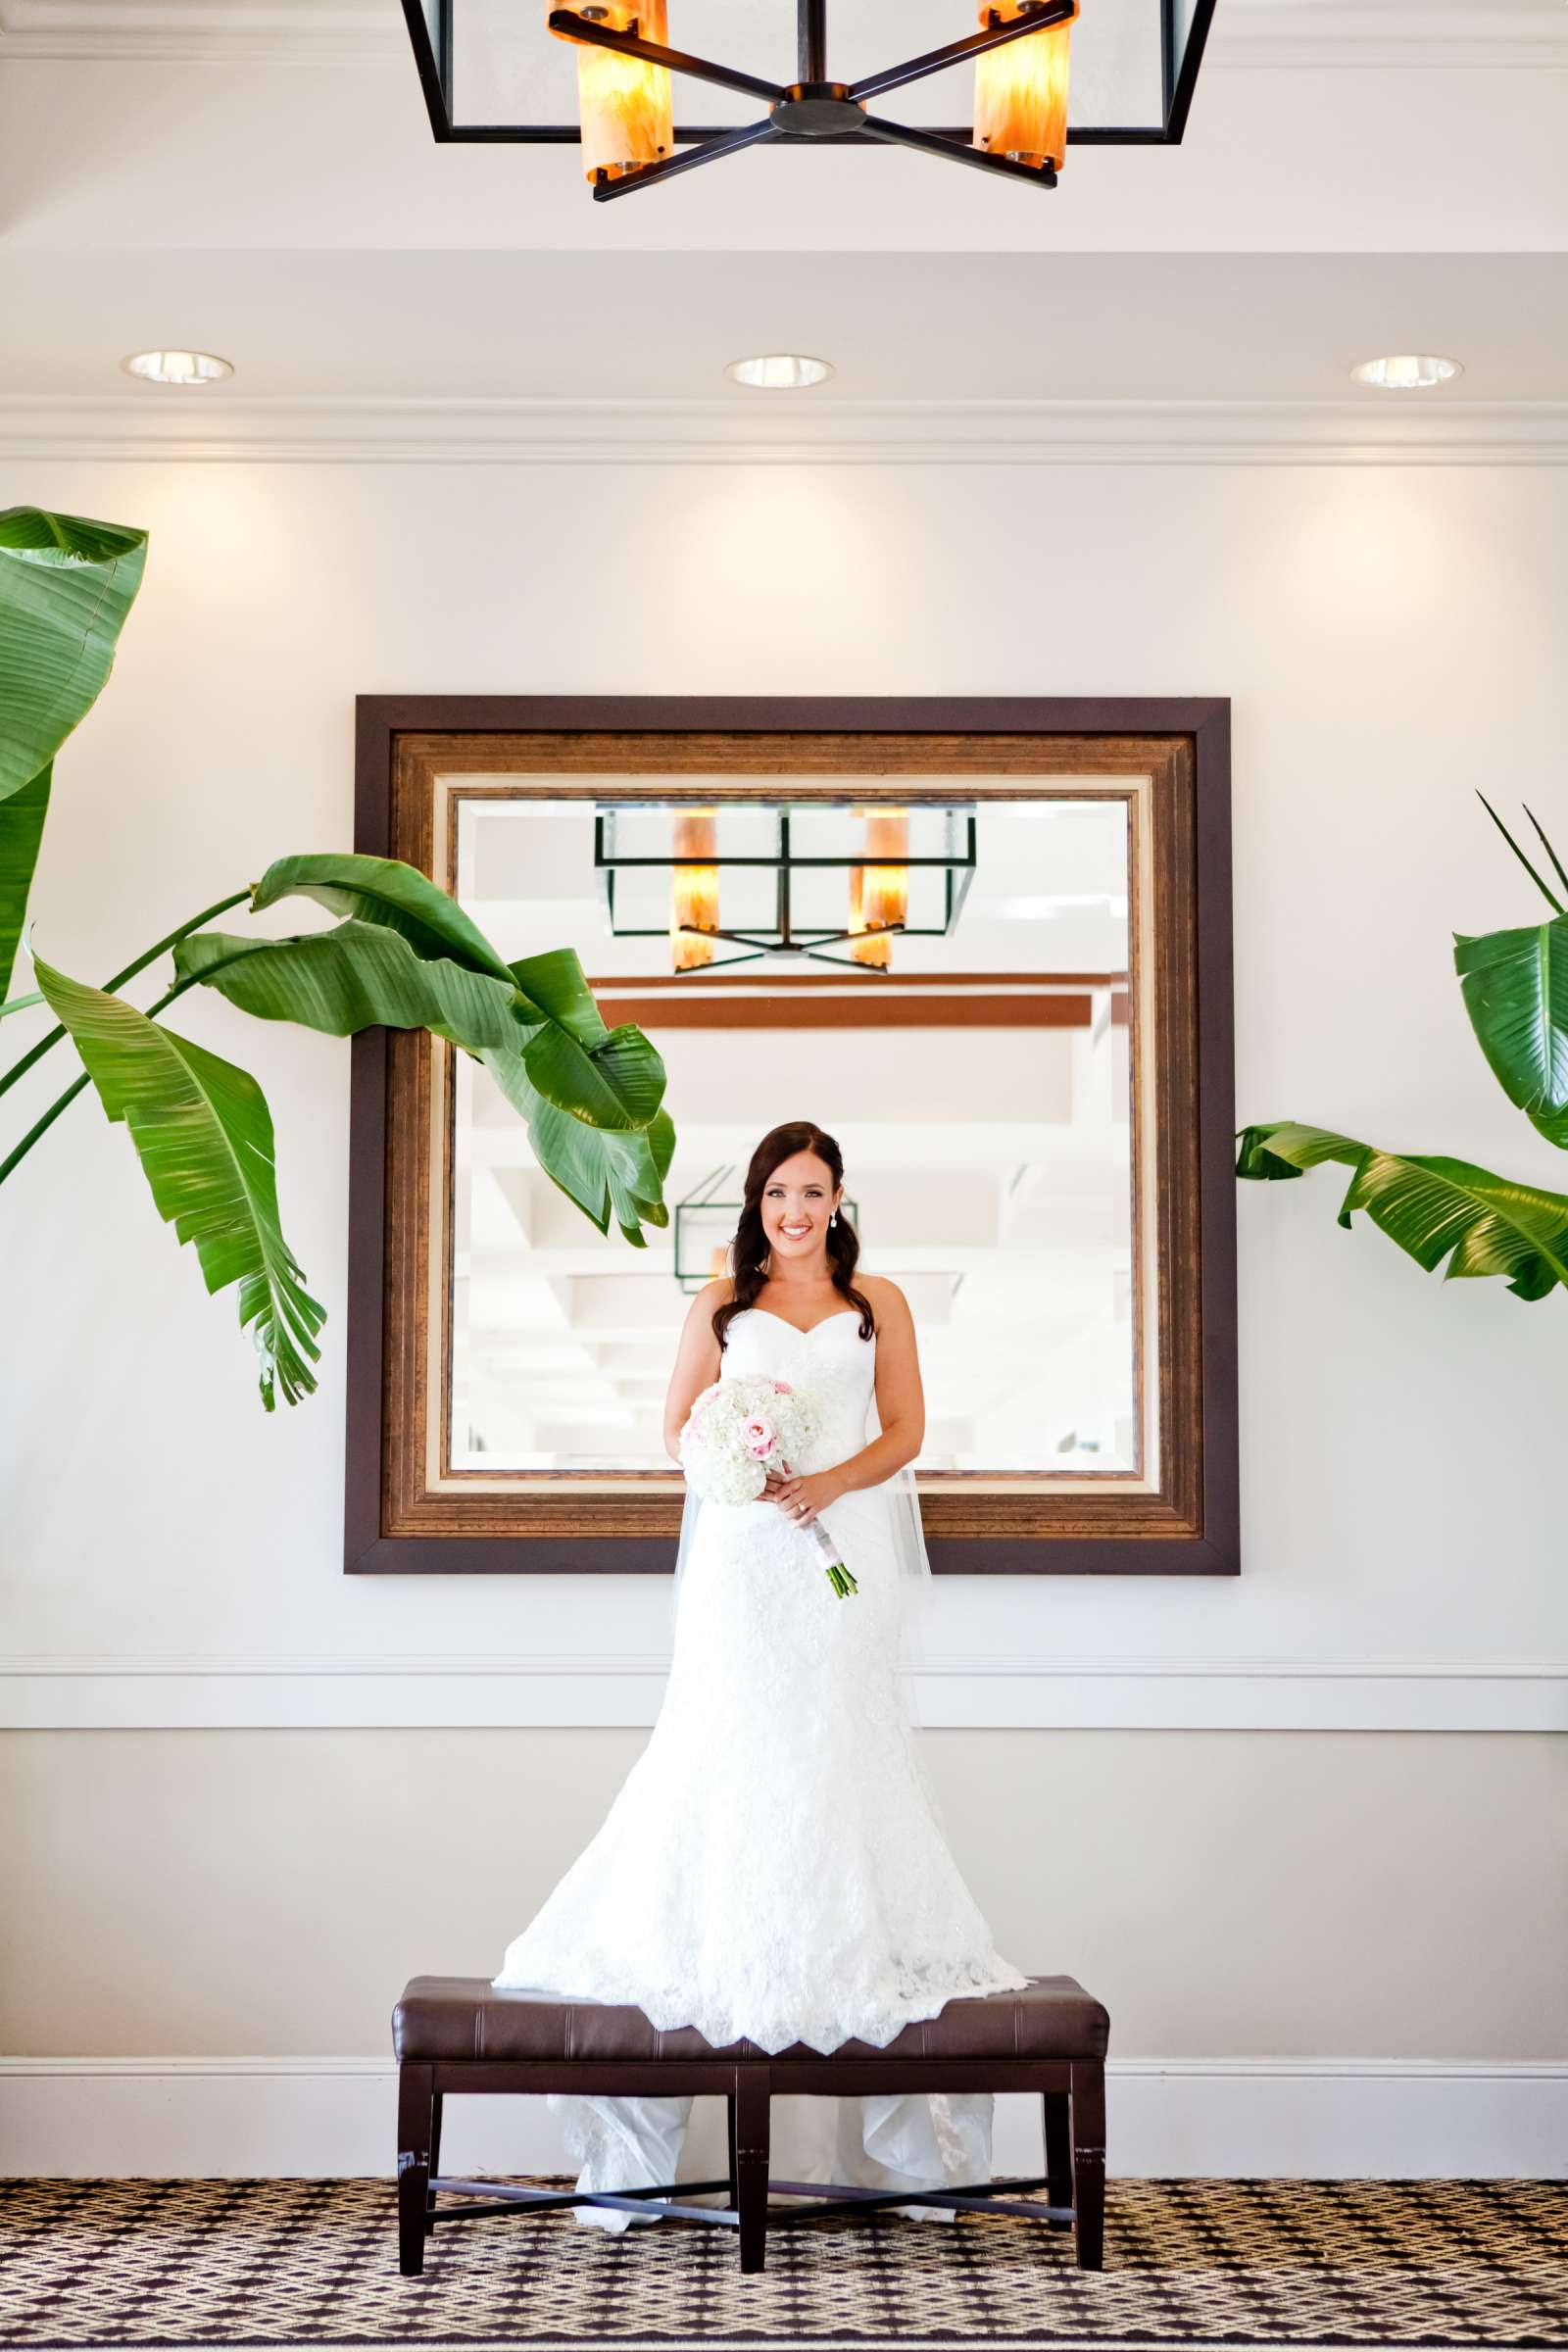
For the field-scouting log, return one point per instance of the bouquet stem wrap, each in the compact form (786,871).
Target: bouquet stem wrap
(838,1576)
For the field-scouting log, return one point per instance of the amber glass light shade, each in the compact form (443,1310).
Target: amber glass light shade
(880,893)
(1020,91)
(694,891)
(625,105)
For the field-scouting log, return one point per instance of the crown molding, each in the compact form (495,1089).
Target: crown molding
(1292,36)
(222,31)
(1286,35)
(199,1691)
(208,428)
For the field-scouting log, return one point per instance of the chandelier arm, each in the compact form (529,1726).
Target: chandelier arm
(930,142)
(691,159)
(573,28)
(993,36)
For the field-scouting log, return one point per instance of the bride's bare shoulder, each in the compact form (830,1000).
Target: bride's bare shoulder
(888,1302)
(713,1295)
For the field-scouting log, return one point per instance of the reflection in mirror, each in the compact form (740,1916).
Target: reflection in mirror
(955,1007)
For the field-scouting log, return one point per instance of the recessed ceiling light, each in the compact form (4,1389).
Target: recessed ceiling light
(177,366)
(1406,373)
(779,371)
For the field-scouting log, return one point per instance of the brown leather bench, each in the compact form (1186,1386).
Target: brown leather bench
(458,2033)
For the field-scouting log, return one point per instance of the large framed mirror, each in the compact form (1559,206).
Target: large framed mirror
(985,945)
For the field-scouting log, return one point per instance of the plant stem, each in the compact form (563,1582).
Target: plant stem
(20,1068)
(47,1121)
(73,1089)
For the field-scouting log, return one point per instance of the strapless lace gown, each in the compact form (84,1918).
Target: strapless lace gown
(772,1868)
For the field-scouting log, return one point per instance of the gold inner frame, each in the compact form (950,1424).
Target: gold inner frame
(435,776)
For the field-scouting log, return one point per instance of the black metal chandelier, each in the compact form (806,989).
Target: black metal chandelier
(1137,61)
(698,863)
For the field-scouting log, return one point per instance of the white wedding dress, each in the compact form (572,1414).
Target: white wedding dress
(772,1868)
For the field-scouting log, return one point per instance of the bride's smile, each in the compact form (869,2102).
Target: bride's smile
(796,1207)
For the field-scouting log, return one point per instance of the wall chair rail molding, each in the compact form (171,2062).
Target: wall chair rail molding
(475,1321)
(59,1691)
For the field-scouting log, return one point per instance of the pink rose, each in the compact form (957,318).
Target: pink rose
(757,1436)
(782,1388)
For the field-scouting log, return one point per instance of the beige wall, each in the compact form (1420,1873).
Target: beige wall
(1389,635)
(1375,1895)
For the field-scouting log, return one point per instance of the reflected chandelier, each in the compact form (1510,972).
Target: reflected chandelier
(1020,53)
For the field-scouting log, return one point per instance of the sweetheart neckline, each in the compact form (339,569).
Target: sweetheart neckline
(801,1333)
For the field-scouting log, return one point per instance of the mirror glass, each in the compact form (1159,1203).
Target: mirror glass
(955,1009)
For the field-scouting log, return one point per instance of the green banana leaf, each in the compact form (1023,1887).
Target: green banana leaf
(627,1074)
(620,1173)
(354,977)
(1436,1209)
(359,975)
(607,1077)
(591,1095)
(1515,988)
(617,1086)
(558,984)
(66,587)
(204,1136)
(385,890)
(21,819)
(636,1166)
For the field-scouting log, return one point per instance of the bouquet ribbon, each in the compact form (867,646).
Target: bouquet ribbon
(838,1576)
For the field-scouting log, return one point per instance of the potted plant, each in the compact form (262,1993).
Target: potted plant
(1447,1212)
(403,954)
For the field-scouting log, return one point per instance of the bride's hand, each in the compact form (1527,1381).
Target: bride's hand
(801,1499)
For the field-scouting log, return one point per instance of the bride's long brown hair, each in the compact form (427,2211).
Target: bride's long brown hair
(749,1246)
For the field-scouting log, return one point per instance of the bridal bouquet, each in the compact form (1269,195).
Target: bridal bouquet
(740,1428)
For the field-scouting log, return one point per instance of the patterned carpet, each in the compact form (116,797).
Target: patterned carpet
(1244,2263)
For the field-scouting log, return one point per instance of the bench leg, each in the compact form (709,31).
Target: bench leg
(415,2127)
(1089,2159)
(751,2110)
(436,2099)
(1059,2150)
(734,2182)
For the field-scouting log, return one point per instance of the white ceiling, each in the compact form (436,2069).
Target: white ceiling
(473,326)
(261,181)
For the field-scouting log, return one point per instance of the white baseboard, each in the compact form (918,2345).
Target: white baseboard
(1304,2119)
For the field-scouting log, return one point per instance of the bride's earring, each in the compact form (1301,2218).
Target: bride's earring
(834,1218)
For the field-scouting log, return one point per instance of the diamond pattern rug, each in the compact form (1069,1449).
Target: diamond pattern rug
(1194,2263)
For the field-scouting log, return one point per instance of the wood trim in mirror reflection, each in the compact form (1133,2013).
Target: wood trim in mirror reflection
(634,1000)
(400,1519)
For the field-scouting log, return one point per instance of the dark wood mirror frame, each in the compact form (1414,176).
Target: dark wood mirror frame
(398,1521)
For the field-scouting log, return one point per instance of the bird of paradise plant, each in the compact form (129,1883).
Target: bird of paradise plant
(403,956)
(1515,988)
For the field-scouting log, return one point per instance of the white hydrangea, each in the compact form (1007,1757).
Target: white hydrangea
(743,1426)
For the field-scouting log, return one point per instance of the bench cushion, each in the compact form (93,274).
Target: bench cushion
(467,2018)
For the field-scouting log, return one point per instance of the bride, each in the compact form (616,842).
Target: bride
(772,1868)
